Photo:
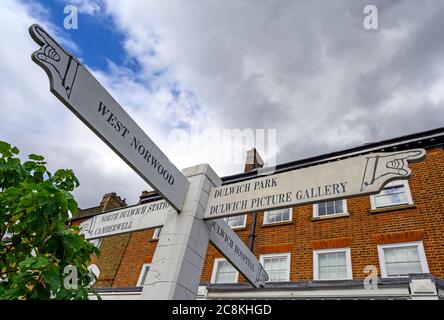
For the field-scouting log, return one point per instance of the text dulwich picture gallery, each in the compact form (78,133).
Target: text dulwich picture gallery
(196,200)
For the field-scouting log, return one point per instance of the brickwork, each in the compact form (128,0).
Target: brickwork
(112,248)
(140,250)
(362,230)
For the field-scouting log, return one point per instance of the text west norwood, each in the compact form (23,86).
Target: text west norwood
(135,143)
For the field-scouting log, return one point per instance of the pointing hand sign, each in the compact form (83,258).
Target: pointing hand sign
(391,166)
(60,66)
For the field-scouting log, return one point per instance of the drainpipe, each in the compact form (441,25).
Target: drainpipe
(253,162)
(252,234)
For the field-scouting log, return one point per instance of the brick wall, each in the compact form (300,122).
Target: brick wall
(140,250)
(112,248)
(362,231)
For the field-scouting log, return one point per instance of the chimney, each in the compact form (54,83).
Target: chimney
(253,161)
(146,194)
(111,201)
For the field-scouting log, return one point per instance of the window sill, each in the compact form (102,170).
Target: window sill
(331,216)
(393,208)
(239,228)
(266,225)
(332,280)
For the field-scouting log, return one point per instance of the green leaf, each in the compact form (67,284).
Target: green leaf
(51,277)
(34,206)
(72,206)
(36,157)
(4,147)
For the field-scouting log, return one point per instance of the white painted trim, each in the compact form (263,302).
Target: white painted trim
(264,222)
(347,260)
(156,233)
(275,255)
(97,242)
(215,267)
(142,271)
(421,254)
(94,269)
(240,226)
(394,292)
(132,295)
(316,209)
(407,190)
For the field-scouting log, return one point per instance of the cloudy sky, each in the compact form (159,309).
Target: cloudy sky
(308,69)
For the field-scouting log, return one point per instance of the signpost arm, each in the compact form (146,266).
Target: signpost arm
(76,87)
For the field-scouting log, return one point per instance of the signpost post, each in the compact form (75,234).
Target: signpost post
(197,193)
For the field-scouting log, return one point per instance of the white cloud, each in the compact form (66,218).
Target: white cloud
(307,69)
(304,68)
(35,121)
(85,6)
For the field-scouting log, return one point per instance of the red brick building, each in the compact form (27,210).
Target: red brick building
(325,250)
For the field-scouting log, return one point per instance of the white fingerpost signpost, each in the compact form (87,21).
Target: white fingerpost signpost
(194,201)
(178,261)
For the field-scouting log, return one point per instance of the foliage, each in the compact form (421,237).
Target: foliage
(37,242)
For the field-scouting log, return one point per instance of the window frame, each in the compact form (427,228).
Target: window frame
(97,242)
(244,225)
(348,263)
(262,257)
(421,253)
(216,267)
(156,234)
(407,191)
(316,209)
(94,269)
(142,271)
(265,220)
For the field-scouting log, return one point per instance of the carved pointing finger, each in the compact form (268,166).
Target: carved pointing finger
(60,66)
(41,36)
(411,156)
(48,52)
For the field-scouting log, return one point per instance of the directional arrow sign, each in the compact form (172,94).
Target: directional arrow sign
(362,175)
(129,219)
(233,248)
(153,214)
(75,86)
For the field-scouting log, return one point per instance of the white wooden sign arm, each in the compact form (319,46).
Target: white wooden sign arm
(77,88)
(236,252)
(124,220)
(341,179)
